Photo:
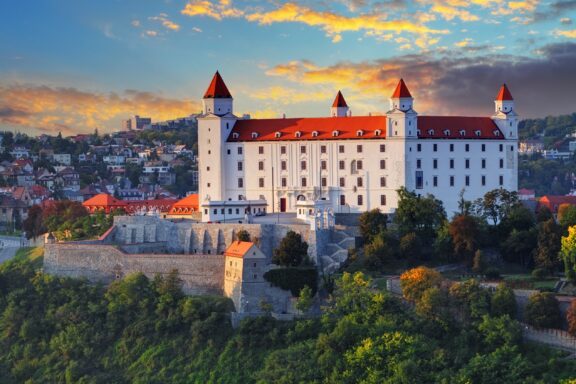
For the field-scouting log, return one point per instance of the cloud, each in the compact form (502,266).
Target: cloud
(452,83)
(554,10)
(136,23)
(197,30)
(151,33)
(49,109)
(463,43)
(566,21)
(373,24)
(449,13)
(570,34)
(222,9)
(166,23)
(282,95)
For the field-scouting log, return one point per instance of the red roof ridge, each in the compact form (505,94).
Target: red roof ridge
(504,94)
(217,89)
(339,101)
(401,90)
(238,248)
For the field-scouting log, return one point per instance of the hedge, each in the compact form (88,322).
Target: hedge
(293,279)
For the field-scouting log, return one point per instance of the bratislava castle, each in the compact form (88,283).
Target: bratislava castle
(349,163)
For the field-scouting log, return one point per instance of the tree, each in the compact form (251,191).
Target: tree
(291,251)
(549,242)
(568,253)
(543,311)
(379,251)
(443,245)
(496,204)
(519,246)
(478,264)
(472,300)
(33,225)
(571,318)
(410,247)
(421,215)
(567,215)
(371,224)
(465,234)
(417,280)
(543,214)
(243,235)
(503,301)
(305,299)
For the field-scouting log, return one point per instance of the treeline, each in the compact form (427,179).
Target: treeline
(551,127)
(56,330)
(482,231)
(546,177)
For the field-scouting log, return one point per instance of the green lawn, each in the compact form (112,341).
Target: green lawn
(29,253)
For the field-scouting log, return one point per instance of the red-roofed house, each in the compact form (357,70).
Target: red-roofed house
(105,202)
(355,163)
(554,202)
(186,208)
(526,194)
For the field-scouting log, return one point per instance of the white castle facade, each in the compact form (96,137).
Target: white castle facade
(350,164)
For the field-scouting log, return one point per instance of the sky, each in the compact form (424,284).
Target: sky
(72,66)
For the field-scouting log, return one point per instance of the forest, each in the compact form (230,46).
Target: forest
(140,330)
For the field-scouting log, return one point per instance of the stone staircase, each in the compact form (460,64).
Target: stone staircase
(336,252)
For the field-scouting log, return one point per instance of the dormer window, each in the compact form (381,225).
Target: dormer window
(418,132)
(431,132)
(298,134)
(359,133)
(254,135)
(477,132)
(377,132)
(462,132)
(315,134)
(496,132)
(335,133)
(235,135)
(446,132)
(277,135)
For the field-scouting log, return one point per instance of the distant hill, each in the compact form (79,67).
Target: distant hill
(550,129)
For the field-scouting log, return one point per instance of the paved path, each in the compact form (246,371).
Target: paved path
(8,247)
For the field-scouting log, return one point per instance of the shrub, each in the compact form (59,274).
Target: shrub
(543,311)
(292,250)
(417,280)
(503,301)
(293,279)
(243,235)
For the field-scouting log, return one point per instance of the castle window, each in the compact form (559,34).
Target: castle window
(260,165)
(501,163)
(360,200)
(377,132)
(261,182)
(304,182)
(477,132)
(483,163)
(254,135)
(359,182)
(335,133)
(435,163)
(359,133)
(340,149)
(283,165)
(483,180)
(382,147)
(324,182)
(302,149)
(342,199)
(284,182)
(435,181)
(446,132)
(451,163)
(501,147)
(419,147)
(283,150)
(314,133)
(383,181)
(277,135)
(462,132)
(418,163)
(451,181)
(431,132)
(240,166)
(239,150)
(342,182)
(341,165)
(382,164)
(260,150)
(298,134)
(501,180)
(235,135)
(418,132)
(359,165)
(303,165)
(322,149)
(467,146)
(451,147)
(467,180)
(467,163)
(359,148)
(496,132)
(240,183)
(323,165)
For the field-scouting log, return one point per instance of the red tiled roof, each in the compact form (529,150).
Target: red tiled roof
(188,204)
(238,248)
(104,200)
(458,127)
(401,90)
(504,94)
(163,205)
(525,191)
(430,127)
(217,88)
(346,127)
(339,101)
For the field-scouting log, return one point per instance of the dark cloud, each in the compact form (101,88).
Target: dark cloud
(554,10)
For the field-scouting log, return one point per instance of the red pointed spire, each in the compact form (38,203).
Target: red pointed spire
(217,89)
(339,101)
(401,90)
(504,94)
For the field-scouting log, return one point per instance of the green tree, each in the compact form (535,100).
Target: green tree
(568,253)
(543,311)
(291,251)
(410,247)
(472,301)
(421,215)
(496,204)
(567,215)
(305,299)
(372,223)
(380,251)
(520,246)
(243,235)
(549,242)
(499,331)
(503,301)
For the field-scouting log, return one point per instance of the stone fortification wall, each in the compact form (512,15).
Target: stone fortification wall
(143,233)
(201,274)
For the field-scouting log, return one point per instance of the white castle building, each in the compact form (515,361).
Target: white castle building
(351,164)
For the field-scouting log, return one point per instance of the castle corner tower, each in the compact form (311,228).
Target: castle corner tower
(339,107)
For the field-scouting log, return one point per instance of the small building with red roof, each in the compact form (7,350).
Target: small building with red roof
(186,208)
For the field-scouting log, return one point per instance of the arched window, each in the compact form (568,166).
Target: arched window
(235,135)
(446,132)
(462,132)
(315,134)
(298,134)
(353,168)
(431,132)
(377,132)
(254,135)
(359,133)
(277,135)
(335,133)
